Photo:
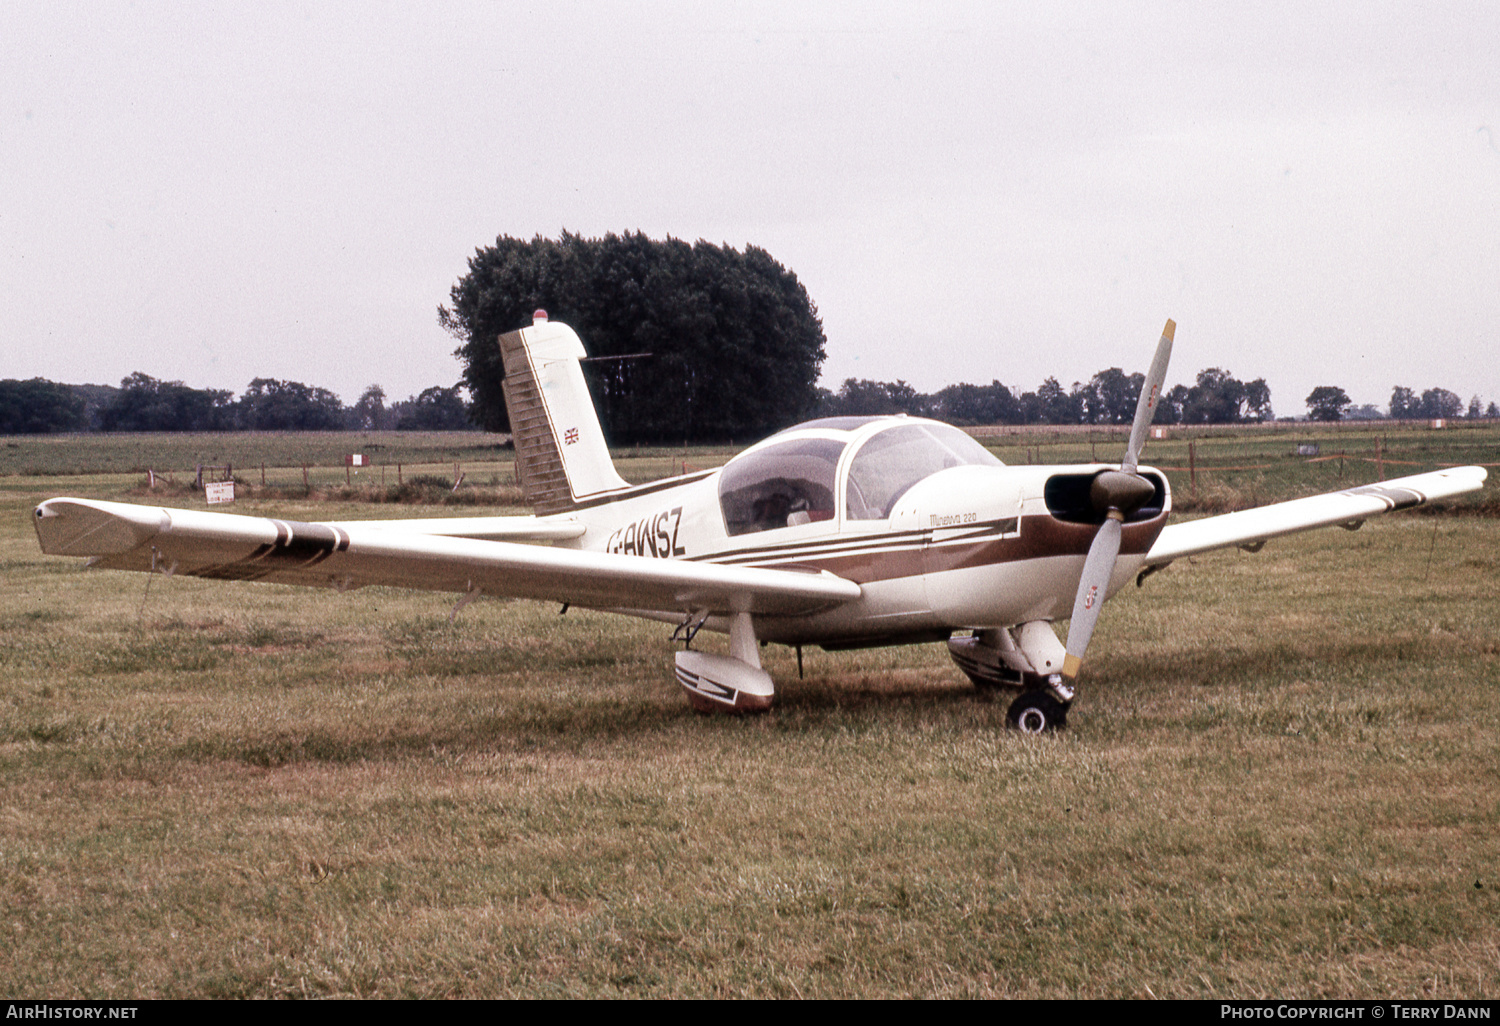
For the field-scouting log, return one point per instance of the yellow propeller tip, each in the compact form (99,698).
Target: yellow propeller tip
(1169,330)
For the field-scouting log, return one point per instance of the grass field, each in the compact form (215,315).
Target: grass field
(1282,778)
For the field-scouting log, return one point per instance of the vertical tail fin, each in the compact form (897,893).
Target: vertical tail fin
(561,457)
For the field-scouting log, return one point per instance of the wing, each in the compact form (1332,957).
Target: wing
(353,554)
(1252,528)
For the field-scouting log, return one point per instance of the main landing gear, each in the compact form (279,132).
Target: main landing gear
(717,684)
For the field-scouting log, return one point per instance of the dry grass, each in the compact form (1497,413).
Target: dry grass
(1281,779)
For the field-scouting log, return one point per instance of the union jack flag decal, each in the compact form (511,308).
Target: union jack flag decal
(570,436)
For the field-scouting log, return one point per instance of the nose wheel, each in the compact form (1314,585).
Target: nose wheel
(1039,711)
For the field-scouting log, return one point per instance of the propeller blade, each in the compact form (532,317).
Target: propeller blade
(1091,590)
(1115,494)
(1145,407)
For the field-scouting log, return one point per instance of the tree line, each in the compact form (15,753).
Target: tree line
(1330,403)
(143,403)
(1109,397)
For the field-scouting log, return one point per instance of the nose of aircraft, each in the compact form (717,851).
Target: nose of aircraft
(1114,489)
(1115,494)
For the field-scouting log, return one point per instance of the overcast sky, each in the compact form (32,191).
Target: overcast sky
(216,192)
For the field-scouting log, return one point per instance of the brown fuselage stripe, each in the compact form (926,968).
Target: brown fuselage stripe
(838,543)
(913,554)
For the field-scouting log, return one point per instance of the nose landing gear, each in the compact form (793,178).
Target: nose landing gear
(1040,710)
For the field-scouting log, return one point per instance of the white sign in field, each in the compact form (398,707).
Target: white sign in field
(219,491)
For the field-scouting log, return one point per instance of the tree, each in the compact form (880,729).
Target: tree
(1110,397)
(1404,404)
(435,409)
(271,405)
(736,342)
(369,411)
(1439,402)
(145,404)
(1258,401)
(96,399)
(39,406)
(858,397)
(976,404)
(1055,405)
(1169,409)
(1327,402)
(1217,398)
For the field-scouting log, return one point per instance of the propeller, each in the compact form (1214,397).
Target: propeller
(1115,494)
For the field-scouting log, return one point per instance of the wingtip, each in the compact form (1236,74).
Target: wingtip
(85,527)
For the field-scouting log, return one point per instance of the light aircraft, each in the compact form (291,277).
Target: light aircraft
(846,532)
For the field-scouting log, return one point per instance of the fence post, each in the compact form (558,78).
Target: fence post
(1380,457)
(304,476)
(262,473)
(1193,467)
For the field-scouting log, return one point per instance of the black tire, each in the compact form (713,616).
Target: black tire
(1037,712)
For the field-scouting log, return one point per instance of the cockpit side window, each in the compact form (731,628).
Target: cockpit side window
(889,463)
(780,486)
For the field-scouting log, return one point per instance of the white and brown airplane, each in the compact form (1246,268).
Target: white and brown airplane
(844,533)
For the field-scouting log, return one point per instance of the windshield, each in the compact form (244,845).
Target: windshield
(894,460)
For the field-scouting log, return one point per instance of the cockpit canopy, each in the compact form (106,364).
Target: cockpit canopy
(793,482)
(781,485)
(889,463)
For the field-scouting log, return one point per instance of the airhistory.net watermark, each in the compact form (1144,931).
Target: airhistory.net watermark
(67,1010)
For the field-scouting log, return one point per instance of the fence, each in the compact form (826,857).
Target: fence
(314,476)
(1277,460)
